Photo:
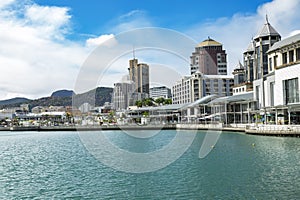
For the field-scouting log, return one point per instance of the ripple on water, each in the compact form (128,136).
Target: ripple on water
(56,165)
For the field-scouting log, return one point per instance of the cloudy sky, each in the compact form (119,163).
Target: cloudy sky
(46,45)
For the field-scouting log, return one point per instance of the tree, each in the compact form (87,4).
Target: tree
(160,100)
(111,116)
(139,103)
(147,102)
(168,101)
(145,114)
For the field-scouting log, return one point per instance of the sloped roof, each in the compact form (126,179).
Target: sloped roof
(203,100)
(239,66)
(285,42)
(267,30)
(250,47)
(248,96)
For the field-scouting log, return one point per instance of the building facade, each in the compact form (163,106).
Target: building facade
(139,75)
(256,57)
(209,58)
(191,88)
(240,84)
(162,91)
(280,99)
(123,95)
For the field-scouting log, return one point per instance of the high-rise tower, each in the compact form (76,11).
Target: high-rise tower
(209,58)
(139,74)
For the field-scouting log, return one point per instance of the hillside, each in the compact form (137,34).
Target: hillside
(63,93)
(97,97)
(17,100)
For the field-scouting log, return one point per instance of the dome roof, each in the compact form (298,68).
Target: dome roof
(209,42)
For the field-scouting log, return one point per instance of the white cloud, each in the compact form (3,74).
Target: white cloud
(35,58)
(132,20)
(52,21)
(4,3)
(94,42)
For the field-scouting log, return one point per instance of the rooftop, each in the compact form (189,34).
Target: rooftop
(203,100)
(250,48)
(285,42)
(248,96)
(218,76)
(209,42)
(267,30)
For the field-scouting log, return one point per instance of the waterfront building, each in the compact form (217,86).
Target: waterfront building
(255,56)
(139,75)
(85,107)
(191,88)
(123,95)
(209,58)
(228,110)
(280,101)
(7,114)
(161,91)
(240,86)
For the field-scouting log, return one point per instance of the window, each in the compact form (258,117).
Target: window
(272,93)
(284,58)
(275,61)
(270,64)
(257,94)
(291,56)
(298,54)
(290,91)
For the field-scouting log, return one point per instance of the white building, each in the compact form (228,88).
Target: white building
(278,92)
(162,91)
(123,95)
(191,88)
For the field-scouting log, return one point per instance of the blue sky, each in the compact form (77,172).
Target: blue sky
(101,17)
(45,44)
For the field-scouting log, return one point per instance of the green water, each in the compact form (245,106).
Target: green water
(56,165)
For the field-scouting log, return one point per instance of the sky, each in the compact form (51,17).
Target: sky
(47,45)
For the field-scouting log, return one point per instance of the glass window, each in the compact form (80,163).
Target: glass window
(275,61)
(284,58)
(290,91)
(257,92)
(291,56)
(272,93)
(270,64)
(298,54)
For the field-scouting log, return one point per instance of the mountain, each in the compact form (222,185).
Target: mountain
(97,97)
(17,100)
(63,93)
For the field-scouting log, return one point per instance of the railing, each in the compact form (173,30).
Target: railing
(274,129)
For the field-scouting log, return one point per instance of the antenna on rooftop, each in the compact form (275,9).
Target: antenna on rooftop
(267,20)
(133,52)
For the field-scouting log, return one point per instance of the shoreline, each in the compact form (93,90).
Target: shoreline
(279,130)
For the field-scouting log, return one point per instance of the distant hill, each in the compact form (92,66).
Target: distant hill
(97,97)
(17,100)
(63,93)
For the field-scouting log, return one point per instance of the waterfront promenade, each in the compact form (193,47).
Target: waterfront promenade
(254,129)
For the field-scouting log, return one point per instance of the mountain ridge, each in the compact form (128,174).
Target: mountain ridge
(96,97)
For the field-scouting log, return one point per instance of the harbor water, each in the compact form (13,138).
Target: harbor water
(56,165)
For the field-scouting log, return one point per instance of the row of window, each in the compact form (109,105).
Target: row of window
(237,90)
(287,57)
(290,91)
